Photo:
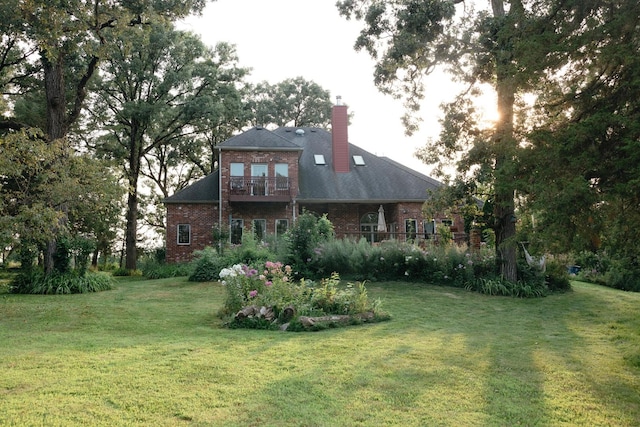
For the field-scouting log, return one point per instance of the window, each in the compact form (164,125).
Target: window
(236,231)
(282,176)
(319,159)
(259,229)
(358,160)
(410,228)
(236,171)
(282,225)
(369,227)
(184,234)
(258,179)
(429,229)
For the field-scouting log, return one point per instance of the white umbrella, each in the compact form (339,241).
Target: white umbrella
(382,225)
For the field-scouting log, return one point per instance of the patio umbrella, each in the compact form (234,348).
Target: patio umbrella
(382,224)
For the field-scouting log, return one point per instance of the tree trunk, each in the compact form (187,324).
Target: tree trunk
(131,233)
(56,124)
(505,146)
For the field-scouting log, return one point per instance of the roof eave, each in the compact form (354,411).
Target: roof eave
(191,202)
(260,148)
(369,201)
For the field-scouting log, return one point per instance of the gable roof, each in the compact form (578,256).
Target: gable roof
(379,180)
(204,190)
(258,138)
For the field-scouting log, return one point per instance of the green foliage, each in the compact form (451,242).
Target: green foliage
(303,239)
(220,234)
(292,102)
(500,287)
(271,286)
(125,272)
(36,282)
(153,269)
(72,254)
(395,260)
(619,272)
(82,247)
(208,263)
(330,298)
(557,276)
(624,274)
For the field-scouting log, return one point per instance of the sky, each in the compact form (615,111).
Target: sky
(283,39)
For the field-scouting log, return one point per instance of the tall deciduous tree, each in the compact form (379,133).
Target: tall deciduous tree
(156,93)
(292,102)
(64,42)
(34,186)
(508,46)
(585,146)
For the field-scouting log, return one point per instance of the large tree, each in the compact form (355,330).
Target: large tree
(58,45)
(508,47)
(157,91)
(34,186)
(585,144)
(291,102)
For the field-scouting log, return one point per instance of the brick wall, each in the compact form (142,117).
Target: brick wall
(247,158)
(267,211)
(201,217)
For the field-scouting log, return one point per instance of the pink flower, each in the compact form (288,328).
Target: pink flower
(253,294)
(268,283)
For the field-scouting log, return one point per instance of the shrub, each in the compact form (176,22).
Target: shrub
(36,282)
(153,269)
(500,287)
(557,277)
(206,265)
(125,272)
(623,274)
(303,239)
(450,265)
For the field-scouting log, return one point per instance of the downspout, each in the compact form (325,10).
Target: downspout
(293,207)
(219,195)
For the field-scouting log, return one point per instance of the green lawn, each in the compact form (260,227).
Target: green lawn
(154,353)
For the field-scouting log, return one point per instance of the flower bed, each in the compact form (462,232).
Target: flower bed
(267,298)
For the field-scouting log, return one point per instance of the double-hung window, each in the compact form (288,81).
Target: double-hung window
(282,225)
(184,234)
(259,229)
(282,177)
(259,179)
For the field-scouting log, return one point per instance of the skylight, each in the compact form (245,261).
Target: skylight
(358,160)
(319,159)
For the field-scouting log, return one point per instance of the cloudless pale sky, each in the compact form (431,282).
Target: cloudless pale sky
(281,39)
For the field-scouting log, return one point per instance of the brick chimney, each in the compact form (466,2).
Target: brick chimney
(340,137)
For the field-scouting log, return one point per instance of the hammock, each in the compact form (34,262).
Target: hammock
(539,263)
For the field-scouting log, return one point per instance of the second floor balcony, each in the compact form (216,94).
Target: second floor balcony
(259,189)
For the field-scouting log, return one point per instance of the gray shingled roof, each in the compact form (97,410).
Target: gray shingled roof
(258,138)
(379,180)
(204,190)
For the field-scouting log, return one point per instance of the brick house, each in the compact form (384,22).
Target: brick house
(265,179)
